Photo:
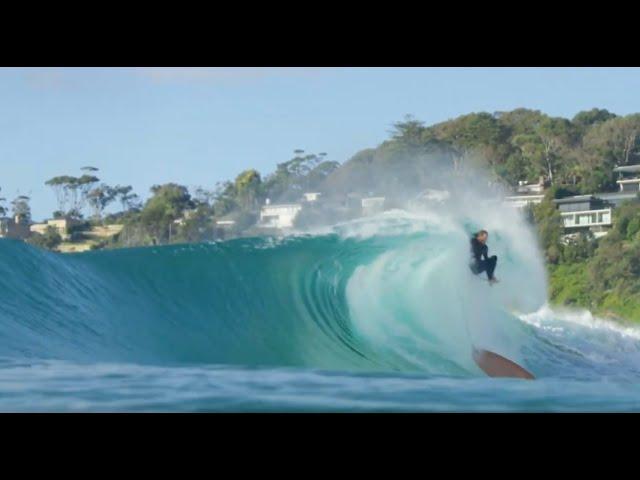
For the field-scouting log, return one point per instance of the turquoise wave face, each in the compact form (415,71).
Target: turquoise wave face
(249,302)
(403,301)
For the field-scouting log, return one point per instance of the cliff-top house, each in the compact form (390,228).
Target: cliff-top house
(279,216)
(62,225)
(14,227)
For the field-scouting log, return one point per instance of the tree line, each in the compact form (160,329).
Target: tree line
(577,154)
(197,210)
(74,194)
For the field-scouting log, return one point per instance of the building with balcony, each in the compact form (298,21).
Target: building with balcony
(585,212)
(629,180)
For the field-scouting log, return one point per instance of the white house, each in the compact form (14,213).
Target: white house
(62,225)
(279,216)
(526,194)
(587,219)
(225,223)
(583,212)
(311,196)
(525,188)
(628,184)
(521,201)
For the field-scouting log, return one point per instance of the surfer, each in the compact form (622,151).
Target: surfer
(480,260)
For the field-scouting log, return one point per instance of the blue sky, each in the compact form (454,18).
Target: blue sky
(144,126)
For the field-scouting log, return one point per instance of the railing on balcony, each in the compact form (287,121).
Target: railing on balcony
(587,218)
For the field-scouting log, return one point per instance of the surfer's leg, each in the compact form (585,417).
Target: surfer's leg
(478,267)
(491,266)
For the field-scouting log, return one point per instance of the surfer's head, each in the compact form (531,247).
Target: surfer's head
(482,236)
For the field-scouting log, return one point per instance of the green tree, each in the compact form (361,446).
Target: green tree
(197,227)
(586,118)
(320,173)
(72,192)
(61,186)
(627,219)
(168,203)
(579,249)
(293,177)
(248,189)
(556,136)
(82,186)
(225,200)
(409,132)
(204,196)
(20,208)
(607,144)
(124,194)
(50,239)
(521,121)
(475,137)
(100,197)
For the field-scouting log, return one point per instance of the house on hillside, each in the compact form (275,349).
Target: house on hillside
(311,197)
(526,194)
(279,215)
(595,212)
(629,178)
(226,222)
(628,186)
(15,227)
(585,212)
(186,215)
(62,225)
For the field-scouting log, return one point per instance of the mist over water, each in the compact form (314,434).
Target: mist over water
(373,314)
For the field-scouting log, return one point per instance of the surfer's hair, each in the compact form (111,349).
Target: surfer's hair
(481,232)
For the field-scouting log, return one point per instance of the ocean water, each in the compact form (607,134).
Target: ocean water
(377,315)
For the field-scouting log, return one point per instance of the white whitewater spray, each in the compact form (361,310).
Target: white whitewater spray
(420,303)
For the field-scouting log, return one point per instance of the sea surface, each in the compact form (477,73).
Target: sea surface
(376,315)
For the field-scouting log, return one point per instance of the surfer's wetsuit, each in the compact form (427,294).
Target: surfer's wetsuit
(480,261)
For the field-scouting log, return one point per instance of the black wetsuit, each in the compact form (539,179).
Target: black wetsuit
(480,261)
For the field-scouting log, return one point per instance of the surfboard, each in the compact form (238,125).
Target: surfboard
(496,365)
